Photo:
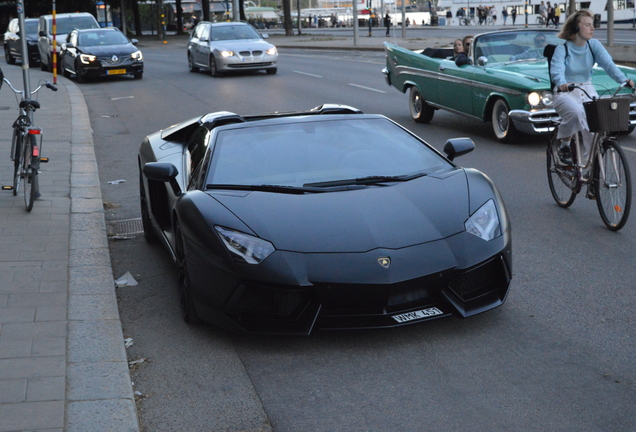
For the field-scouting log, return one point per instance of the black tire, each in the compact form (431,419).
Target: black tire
(7,55)
(421,112)
(502,126)
(149,232)
(539,22)
(213,69)
(16,155)
(30,166)
(613,186)
(562,181)
(271,71)
(139,75)
(188,311)
(191,66)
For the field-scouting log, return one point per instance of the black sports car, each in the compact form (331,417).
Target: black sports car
(92,53)
(328,219)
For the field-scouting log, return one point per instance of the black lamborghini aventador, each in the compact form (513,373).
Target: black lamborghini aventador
(323,219)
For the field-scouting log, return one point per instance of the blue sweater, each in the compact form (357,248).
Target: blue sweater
(577,66)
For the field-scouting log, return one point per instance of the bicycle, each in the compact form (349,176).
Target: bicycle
(541,22)
(467,21)
(25,149)
(606,171)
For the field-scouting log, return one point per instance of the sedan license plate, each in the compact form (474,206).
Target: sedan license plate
(116,71)
(410,316)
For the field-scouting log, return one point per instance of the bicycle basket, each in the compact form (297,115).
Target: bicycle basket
(608,114)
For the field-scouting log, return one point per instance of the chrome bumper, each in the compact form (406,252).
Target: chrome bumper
(542,121)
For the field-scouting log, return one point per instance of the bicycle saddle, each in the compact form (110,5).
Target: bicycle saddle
(30,103)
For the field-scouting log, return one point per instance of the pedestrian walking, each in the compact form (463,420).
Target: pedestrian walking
(550,15)
(504,14)
(557,16)
(387,23)
(513,13)
(493,14)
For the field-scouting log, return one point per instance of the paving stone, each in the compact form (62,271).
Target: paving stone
(46,389)
(46,347)
(13,391)
(15,348)
(95,341)
(32,367)
(102,416)
(91,381)
(31,416)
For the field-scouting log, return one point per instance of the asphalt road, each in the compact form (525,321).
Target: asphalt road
(559,355)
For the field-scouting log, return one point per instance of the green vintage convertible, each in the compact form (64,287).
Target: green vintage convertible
(506,83)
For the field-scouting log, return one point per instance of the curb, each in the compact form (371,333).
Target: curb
(99,395)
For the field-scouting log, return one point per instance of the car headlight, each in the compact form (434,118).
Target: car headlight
(87,58)
(137,55)
(484,222)
(271,51)
(245,248)
(539,98)
(227,53)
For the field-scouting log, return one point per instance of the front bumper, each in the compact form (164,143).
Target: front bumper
(347,291)
(99,69)
(236,62)
(542,121)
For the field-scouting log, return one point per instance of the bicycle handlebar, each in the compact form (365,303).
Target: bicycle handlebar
(21,92)
(573,86)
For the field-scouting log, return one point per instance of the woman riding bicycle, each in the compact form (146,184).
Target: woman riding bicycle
(573,62)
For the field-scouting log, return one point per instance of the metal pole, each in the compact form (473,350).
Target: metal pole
(25,53)
(610,23)
(54,56)
(355,22)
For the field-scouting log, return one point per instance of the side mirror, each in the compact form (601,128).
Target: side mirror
(163,172)
(17,33)
(264,35)
(482,61)
(458,147)
(134,41)
(41,33)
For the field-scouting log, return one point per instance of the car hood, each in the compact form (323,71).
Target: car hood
(110,50)
(392,217)
(241,45)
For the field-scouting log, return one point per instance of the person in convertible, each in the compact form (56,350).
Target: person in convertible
(533,53)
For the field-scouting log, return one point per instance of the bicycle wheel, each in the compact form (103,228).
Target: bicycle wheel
(539,22)
(613,184)
(562,180)
(16,156)
(30,171)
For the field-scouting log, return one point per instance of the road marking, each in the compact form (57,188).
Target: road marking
(367,88)
(305,73)
(629,149)
(124,97)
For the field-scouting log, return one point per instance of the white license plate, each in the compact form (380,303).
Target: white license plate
(424,313)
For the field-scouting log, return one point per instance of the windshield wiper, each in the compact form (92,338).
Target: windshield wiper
(261,188)
(366,180)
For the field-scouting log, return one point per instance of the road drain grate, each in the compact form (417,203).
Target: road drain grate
(124,227)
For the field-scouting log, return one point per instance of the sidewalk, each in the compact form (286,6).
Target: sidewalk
(63,365)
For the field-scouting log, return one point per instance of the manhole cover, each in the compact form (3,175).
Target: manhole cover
(125,227)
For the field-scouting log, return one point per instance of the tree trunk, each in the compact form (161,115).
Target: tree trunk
(287,19)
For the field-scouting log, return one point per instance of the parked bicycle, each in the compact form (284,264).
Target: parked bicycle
(25,145)
(541,22)
(605,170)
(467,21)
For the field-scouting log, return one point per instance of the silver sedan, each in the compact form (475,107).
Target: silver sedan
(230,46)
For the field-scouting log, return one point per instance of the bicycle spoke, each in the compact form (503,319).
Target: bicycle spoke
(562,180)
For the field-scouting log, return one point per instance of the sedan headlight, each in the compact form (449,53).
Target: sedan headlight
(87,58)
(484,222)
(245,248)
(137,55)
(271,51)
(227,53)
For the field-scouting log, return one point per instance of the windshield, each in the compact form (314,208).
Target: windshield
(67,24)
(302,153)
(514,46)
(101,37)
(31,27)
(233,32)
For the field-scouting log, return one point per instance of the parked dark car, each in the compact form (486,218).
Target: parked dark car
(323,219)
(92,53)
(13,45)
(64,23)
